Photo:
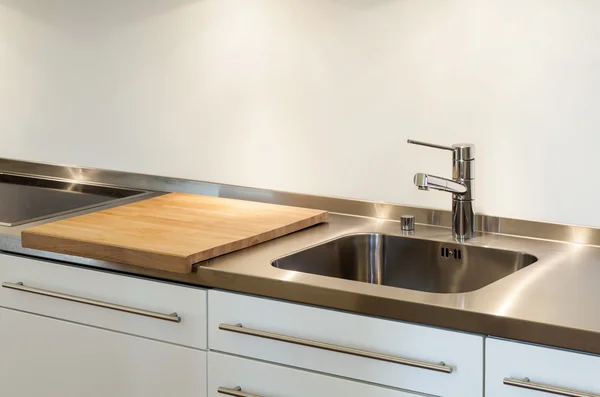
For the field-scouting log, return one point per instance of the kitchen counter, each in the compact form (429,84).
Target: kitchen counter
(554,301)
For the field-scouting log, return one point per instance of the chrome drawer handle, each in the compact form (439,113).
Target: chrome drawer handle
(236,392)
(238,328)
(20,287)
(527,384)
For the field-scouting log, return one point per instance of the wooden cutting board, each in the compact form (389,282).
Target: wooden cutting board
(170,232)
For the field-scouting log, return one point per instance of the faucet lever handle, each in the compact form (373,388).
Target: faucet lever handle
(433,145)
(460,151)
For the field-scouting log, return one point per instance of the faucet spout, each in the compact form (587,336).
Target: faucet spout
(461,186)
(426,182)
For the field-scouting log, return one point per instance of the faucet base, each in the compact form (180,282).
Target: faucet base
(463,217)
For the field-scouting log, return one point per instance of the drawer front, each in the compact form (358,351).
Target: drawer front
(393,353)
(549,371)
(118,302)
(226,373)
(53,358)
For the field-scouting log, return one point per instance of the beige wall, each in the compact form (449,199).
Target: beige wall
(314,96)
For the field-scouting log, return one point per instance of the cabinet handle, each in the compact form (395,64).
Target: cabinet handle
(236,392)
(20,287)
(238,328)
(527,384)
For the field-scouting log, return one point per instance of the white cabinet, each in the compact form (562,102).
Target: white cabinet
(124,291)
(46,357)
(549,371)
(267,380)
(392,353)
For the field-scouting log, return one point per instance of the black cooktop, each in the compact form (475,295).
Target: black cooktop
(25,199)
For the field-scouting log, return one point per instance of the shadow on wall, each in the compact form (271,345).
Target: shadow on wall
(104,12)
(120,12)
(365,4)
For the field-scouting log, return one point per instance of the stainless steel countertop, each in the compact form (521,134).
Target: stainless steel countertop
(554,301)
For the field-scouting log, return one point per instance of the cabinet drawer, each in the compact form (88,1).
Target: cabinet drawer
(105,300)
(550,371)
(53,358)
(393,353)
(226,373)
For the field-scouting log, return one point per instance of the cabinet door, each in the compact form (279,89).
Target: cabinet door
(41,356)
(259,379)
(392,353)
(91,284)
(516,369)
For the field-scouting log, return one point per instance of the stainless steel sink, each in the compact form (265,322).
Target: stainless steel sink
(27,199)
(404,262)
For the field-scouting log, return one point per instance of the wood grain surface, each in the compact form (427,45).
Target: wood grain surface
(170,232)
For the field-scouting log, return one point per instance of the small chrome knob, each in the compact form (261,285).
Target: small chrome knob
(407,223)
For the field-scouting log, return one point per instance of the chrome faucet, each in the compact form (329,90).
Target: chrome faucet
(461,186)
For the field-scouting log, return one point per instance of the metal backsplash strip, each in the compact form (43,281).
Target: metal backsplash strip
(484,223)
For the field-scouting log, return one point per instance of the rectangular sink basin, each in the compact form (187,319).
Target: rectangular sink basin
(411,263)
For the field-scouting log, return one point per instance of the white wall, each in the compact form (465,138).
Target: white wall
(314,96)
